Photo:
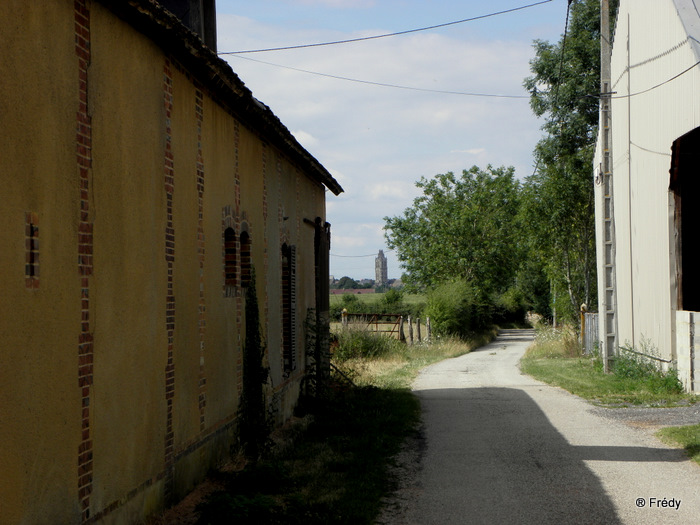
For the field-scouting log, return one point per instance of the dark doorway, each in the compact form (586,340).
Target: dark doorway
(685,185)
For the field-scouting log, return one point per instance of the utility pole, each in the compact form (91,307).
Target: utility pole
(609,310)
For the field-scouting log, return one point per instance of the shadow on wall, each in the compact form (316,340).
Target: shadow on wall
(494,457)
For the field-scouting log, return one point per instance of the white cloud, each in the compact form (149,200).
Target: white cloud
(306,139)
(473,151)
(378,141)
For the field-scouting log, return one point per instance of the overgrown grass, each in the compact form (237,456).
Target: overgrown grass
(687,437)
(555,359)
(376,360)
(338,471)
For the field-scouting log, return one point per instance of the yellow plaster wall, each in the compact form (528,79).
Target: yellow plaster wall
(129,284)
(39,398)
(186,271)
(222,335)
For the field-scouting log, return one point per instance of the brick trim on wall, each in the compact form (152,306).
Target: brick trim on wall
(85,248)
(199,113)
(169,186)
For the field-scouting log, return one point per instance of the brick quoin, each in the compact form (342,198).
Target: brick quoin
(199,113)
(83,150)
(169,186)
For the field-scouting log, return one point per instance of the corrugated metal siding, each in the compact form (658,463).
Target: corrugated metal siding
(644,128)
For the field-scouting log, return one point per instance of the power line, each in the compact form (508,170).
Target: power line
(382,84)
(660,84)
(375,37)
(561,69)
(357,256)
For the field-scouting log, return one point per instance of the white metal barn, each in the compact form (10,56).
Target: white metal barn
(653,257)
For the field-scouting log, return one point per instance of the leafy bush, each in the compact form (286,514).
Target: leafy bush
(455,308)
(510,307)
(628,365)
(357,342)
(392,298)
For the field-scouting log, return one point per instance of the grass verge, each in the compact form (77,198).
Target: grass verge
(338,470)
(379,361)
(554,358)
(687,437)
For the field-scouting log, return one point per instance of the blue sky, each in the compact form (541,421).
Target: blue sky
(378,141)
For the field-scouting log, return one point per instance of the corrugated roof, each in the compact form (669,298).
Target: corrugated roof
(150,18)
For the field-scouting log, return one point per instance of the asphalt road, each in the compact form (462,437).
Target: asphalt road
(500,447)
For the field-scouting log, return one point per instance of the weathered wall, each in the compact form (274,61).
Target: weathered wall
(649,112)
(688,346)
(120,345)
(39,398)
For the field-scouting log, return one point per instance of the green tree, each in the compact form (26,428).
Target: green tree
(460,228)
(558,206)
(347,283)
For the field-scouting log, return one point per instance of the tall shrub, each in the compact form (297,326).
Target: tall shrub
(455,308)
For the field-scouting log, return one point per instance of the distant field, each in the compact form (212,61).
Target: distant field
(374,298)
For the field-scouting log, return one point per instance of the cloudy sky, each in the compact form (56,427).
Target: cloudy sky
(378,140)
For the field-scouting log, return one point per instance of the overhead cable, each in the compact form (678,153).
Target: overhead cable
(375,37)
(657,85)
(395,86)
(561,70)
(357,256)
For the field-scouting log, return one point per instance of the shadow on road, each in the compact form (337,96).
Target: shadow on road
(507,337)
(493,457)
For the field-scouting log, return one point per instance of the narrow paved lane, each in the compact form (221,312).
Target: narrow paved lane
(503,448)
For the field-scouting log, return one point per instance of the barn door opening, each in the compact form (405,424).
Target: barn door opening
(685,185)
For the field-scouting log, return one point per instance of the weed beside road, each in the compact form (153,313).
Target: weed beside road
(338,470)
(687,437)
(555,359)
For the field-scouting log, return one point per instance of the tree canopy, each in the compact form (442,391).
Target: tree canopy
(461,227)
(558,206)
(531,242)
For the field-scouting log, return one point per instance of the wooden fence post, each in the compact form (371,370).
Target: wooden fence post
(427,329)
(418,329)
(402,335)
(410,330)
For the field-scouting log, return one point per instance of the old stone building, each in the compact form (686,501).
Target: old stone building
(380,269)
(142,184)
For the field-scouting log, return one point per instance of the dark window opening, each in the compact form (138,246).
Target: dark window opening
(229,258)
(246,264)
(685,185)
(289,307)
(31,261)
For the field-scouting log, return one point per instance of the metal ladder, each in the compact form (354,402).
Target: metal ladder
(609,317)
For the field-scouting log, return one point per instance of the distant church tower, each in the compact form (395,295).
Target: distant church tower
(380,271)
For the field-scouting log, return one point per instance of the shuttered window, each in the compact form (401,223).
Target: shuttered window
(289,308)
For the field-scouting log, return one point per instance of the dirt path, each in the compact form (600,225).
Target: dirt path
(500,447)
